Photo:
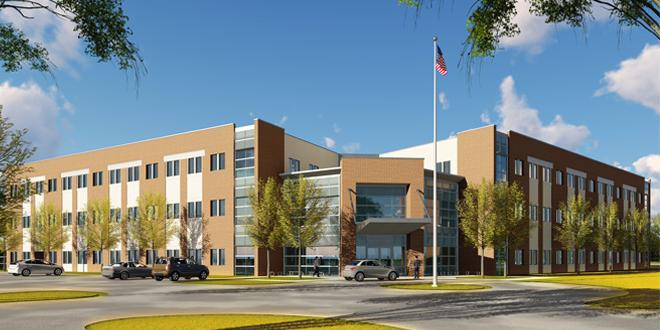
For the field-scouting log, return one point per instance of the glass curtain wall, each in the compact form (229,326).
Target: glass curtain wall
(501,170)
(327,247)
(447,228)
(243,181)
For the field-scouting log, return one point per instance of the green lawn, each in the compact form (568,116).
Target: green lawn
(642,289)
(24,296)
(225,321)
(440,287)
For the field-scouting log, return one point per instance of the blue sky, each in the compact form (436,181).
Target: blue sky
(356,76)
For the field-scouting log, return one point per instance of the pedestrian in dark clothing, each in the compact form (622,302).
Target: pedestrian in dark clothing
(416,263)
(317,267)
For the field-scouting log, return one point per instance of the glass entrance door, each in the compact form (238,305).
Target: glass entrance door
(388,249)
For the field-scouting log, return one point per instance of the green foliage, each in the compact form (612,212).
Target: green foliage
(101,232)
(477,213)
(101,24)
(607,232)
(47,233)
(654,236)
(575,230)
(510,218)
(639,229)
(263,225)
(151,229)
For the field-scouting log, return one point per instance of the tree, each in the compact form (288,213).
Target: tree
(11,238)
(608,234)
(193,232)
(103,230)
(47,233)
(101,24)
(152,228)
(640,226)
(300,215)
(15,150)
(575,230)
(263,225)
(477,213)
(510,218)
(654,237)
(490,21)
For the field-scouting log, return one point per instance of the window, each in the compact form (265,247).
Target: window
(533,213)
(82,257)
(26,221)
(26,255)
(444,167)
(559,257)
(13,257)
(115,256)
(313,167)
(97,179)
(66,183)
(244,163)
(618,257)
(133,255)
(518,257)
(97,257)
(152,171)
(581,256)
(194,210)
(533,257)
(533,174)
(294,165)
(518,167)
(546,214)
(380,201)
(559,217)
(571,180)
(82,181)
(133,173)
(591,185)
(173,211)
(580,183)
(132,212)
(546,257)
(115,214)
(52,185)
(173,253)
(218,161)
(115,176)
(67,257)
(546,174)
(217,207)
(67,218)
(601,257)
(195,255)
(81,216)
(618,192)
(570,257)
(39,187)
(195,165)
(217,257)
(172,168)
(559,178)
(152,255)
(609,190)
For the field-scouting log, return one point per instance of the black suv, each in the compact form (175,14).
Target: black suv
(175,268)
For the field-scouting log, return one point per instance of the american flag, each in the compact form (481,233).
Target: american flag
(440,63)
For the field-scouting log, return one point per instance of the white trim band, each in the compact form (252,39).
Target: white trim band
(74,173)
(184,155)
(124,165)
(539,162)
(576,172)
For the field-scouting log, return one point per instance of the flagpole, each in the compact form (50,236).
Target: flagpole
(435,164)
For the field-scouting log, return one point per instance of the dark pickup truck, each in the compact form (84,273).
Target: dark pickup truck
(175,268)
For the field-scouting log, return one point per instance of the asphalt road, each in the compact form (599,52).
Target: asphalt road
(510,304)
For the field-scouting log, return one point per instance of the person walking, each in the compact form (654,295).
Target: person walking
(317,267)
(416,263)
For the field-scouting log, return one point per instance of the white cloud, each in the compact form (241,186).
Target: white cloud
(649,166)
(54,33)
(283,120)
(637,79)
(352,147)
(329,142)
(29,106)
(485,118)
(444,102)
(516,115)
(534,31)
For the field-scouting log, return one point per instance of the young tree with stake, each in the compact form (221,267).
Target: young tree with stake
(477,213)
(575,230)
(47,232)
(263,226)
(152,229)
(510,218)
(102,230)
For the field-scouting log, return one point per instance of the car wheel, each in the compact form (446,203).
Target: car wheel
(174,277)
(359,277)
(158,278)
(392,276)
(25,272)
(348,278)
(57,272)
(123,276)
(16,274)
(203,275)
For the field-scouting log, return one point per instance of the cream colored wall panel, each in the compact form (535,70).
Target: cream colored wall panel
(447,151)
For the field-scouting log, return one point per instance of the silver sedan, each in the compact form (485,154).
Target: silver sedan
(361,269)
(34,266)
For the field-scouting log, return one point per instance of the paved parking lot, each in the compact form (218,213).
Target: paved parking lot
(510,304)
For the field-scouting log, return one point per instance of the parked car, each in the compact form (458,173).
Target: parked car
(361,269)
(34,266)
(175,268)
(126,270)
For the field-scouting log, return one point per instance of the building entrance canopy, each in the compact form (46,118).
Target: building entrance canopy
(390,226)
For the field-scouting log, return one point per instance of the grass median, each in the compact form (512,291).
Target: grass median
(642,289)
(25,296)
(227,321)
(440,287)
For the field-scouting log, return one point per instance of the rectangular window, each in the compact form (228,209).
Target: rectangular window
(546,174)
(380,201)
(82,181)
(194,210)
(581,256)
(533,174)
(172,168)
(152,255)
(218,161)
(313,167)
(52,256)
(546,257)
(115,176)
(195,165)
(559,216)
(66,183)
(559,257)
(546,214)
(217,207)
(570,255)
(580,183)
(446,167)
(173,211)
(559,178)
(115,256)
(39,187)
(518,257)
(67,257)
(518,167)
(52,185)
(591,185)
(133,173)
(173,253)
(26,221)
(13,257)
(152,171)
(67,218)
(217,257)
(115,214)
(82,257)
(97,179)
(97,257)
(81,216)
(533,213)
(26,255)
(570,178)
(132,212)
(294,165)
(133,255)
(533,257)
